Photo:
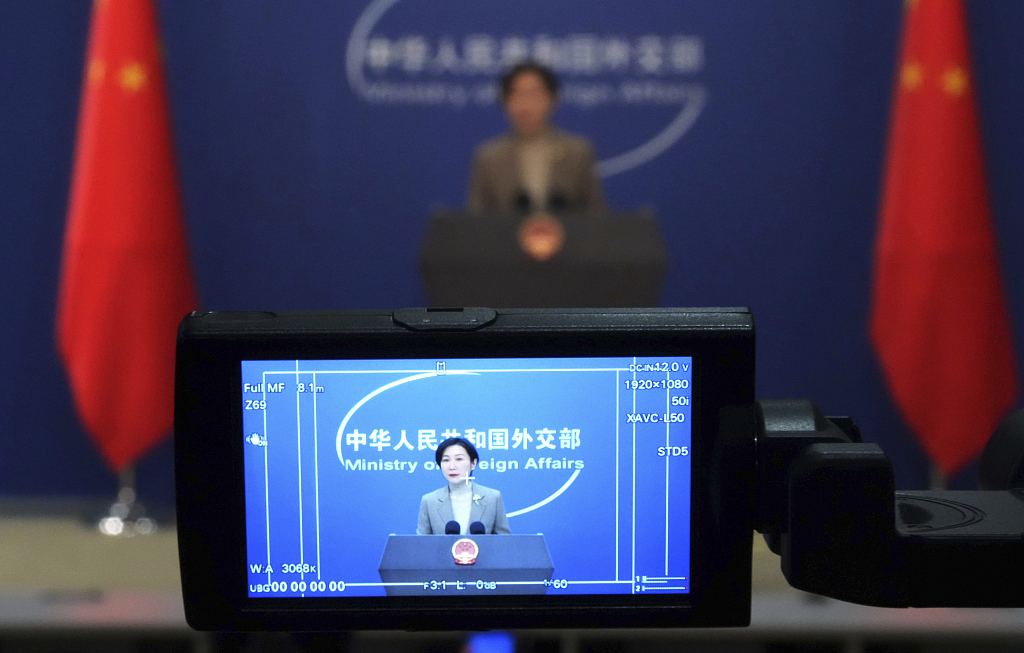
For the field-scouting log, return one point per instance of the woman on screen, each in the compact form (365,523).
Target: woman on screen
(461,506)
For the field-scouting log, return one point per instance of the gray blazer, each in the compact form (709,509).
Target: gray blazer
(436,511)
(495,179)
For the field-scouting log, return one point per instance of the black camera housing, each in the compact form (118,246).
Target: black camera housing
(209,457)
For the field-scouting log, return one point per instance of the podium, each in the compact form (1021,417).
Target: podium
(612,260)
(423,565)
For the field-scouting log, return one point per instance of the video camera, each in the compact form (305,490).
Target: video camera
(615,464)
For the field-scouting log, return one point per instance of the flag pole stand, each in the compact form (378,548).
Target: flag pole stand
(127,515)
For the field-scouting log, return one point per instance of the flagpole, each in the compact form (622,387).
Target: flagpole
(936,477)
(126,485)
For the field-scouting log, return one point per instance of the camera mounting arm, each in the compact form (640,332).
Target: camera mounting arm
(827,504)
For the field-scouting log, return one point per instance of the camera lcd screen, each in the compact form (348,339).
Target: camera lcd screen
(576,479)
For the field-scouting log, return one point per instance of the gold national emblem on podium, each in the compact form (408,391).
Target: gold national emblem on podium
(465,551)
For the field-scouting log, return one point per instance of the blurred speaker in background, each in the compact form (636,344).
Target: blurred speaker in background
(535,167)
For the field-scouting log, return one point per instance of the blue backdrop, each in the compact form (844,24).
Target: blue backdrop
(313,141)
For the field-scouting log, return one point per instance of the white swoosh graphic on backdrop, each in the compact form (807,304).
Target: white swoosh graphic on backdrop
(348,416)
(666,138)
(549,499)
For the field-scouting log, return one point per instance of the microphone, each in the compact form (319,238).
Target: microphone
(452,528)
(522,202)
(558,202)
(477,528)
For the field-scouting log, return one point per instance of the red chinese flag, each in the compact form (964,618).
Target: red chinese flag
(939,320)
(125,280)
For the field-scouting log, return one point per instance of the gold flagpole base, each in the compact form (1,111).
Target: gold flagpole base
(127,516)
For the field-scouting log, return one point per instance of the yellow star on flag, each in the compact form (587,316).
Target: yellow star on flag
(911,76)
(955,81)
(133,76)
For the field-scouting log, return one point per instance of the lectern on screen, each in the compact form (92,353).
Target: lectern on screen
(612,260)
(591,455)
(416,565)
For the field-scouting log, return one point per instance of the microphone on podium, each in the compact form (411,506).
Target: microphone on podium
(558,202)
(477,528)
(452,528)
(522,202)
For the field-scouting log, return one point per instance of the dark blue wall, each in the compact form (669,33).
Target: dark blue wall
(301,194)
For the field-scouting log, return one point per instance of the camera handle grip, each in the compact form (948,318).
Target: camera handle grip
(846,533)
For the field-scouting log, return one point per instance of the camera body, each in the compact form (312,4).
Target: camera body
(617,445)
